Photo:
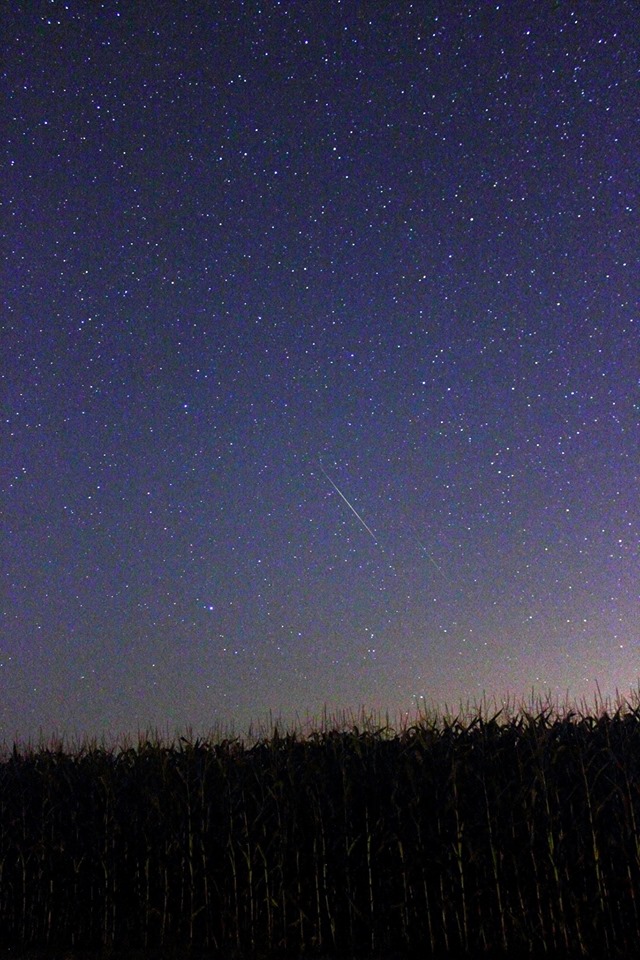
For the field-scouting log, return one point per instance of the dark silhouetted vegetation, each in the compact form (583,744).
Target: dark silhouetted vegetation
(500,835)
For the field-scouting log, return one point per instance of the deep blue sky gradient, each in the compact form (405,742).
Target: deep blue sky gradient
(256,250)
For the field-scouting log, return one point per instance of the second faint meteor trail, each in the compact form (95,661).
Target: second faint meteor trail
(351,507)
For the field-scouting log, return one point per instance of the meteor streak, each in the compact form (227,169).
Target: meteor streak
(351,507)
(430,558)
(372,534)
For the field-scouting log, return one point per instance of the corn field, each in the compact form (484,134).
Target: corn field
(474,836)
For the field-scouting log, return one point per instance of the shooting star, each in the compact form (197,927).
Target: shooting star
(430,558)
(351,507)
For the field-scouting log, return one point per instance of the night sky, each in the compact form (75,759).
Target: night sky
(320,359)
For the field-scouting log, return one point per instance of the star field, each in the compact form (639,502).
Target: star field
(320,377)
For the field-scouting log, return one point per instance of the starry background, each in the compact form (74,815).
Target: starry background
(320,359)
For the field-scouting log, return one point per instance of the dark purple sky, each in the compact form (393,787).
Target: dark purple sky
(320,363)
